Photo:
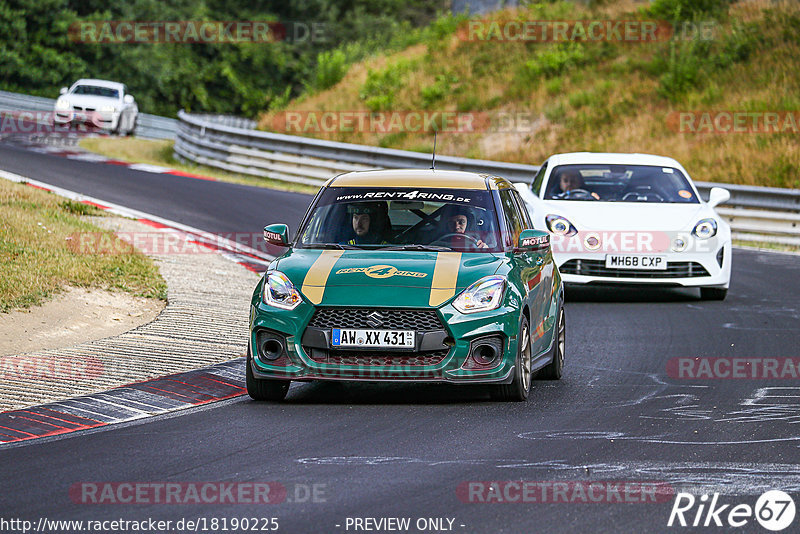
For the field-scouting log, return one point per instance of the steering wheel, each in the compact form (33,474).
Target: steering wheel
(579,193)
(443,239)
(645,191)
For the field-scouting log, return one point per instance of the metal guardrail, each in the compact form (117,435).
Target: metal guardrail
(756,214)
(148,126)
(224,141)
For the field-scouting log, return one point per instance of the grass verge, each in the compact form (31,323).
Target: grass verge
(159,152)
(38,257)
(767,245)
(582,94)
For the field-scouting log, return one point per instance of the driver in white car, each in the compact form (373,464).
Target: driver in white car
(571,180)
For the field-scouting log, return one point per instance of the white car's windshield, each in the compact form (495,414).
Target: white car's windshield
(403,219)
(96,90)
(619,183)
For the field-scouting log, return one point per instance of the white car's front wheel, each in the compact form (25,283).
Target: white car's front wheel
(132,124)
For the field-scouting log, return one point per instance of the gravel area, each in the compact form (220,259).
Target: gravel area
(204,322)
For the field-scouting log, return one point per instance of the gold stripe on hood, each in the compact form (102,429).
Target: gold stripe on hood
(445,275)
(317,276)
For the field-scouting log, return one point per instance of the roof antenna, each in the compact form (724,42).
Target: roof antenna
(433,156)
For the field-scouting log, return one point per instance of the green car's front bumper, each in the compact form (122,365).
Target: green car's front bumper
(290,345)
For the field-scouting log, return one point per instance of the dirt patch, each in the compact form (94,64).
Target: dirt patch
(74,316)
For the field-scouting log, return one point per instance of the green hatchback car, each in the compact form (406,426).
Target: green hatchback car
(409,275)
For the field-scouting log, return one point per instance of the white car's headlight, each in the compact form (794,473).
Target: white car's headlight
(705,229)
(485,294)
(279,291)
(560,225)
(62,103)
(108,109)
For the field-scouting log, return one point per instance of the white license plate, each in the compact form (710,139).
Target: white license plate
(651,263)
(347,337)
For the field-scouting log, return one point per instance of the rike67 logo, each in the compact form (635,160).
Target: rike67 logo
(774,510)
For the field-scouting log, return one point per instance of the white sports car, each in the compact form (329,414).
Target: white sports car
(104,104)
(630,219)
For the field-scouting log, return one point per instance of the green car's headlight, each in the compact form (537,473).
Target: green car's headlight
(279,291)
(485,294)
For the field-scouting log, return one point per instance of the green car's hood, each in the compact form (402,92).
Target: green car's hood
(384,278)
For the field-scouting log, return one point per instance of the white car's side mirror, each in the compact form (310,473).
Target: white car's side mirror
(717,196)
(63,91)
(128,99)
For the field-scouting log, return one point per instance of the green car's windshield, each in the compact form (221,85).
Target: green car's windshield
(619,183)
(403,219)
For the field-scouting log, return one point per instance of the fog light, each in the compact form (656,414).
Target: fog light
(271,349)
(679,245)
(592,241)
(484,353)
(271,346)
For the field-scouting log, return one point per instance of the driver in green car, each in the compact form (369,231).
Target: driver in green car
(458,220)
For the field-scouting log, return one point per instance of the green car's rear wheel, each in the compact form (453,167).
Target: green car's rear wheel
(264,389)
(520,387)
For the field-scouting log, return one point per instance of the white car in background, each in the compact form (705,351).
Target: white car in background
(106,105)
(630,219)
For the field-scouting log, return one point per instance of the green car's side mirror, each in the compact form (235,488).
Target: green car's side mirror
(277,234)
(533,240)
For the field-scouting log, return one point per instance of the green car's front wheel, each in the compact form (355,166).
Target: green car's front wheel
(555,369)
(264,389)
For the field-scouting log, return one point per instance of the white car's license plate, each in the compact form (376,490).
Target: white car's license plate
(652,263)
(396,339)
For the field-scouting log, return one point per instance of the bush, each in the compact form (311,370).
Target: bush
(556,60)
(331,68)
(682,71)
(442,87)
(688,9)
(380,86)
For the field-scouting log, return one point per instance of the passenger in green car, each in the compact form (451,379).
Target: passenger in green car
(369,223)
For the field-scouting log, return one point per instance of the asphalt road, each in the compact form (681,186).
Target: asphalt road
(217,207)
(379,451)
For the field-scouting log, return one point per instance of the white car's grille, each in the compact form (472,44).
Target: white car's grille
(675,269)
